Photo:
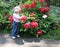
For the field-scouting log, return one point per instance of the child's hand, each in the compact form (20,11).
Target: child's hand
(24,18)
(20,18)
(21,11)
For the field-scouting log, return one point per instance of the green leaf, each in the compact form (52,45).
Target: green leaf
(44,31)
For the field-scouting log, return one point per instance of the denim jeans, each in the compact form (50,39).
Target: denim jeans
(15,29)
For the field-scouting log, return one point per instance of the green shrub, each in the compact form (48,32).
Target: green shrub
(45,25)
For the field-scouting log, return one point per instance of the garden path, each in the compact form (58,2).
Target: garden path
(6,41)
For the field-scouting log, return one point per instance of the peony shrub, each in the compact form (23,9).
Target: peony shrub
(36,18)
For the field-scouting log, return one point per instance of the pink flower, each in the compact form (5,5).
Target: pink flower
(33,5)
(26,6)
(40,32)
(21,5)
(47,9)
(11,18)
(42,1)
(44,10)
(34,24)
(41,10)
(27,25)
(24,18)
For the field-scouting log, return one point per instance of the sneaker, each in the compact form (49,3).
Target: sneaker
(18,36)
(13,37)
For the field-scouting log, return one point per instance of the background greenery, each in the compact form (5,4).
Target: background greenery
(55,2)
(7,7)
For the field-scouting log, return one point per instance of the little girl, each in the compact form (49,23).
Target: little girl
(16,18)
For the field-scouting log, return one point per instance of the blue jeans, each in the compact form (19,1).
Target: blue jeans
(15,29)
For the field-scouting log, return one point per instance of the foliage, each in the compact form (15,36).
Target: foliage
(35,24)
(56,11)
(6,8)
(55,2)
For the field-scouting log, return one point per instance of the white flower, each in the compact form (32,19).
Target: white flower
(44,16)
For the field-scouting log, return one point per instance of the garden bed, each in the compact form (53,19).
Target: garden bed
(54,34)
(38,26)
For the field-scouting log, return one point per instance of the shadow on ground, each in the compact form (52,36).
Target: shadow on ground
(20,41)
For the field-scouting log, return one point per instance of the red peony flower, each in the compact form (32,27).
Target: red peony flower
(40,32)
(47,9)
(44,10)
(42,1)
(27,25)
(41,10)
(24,18)
(21,5)
(34,24)
(26,6)
(33,5)
(11,18)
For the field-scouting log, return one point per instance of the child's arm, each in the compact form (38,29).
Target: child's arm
(17,17)
(20,18)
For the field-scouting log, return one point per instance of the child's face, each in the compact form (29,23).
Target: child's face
(17,12)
